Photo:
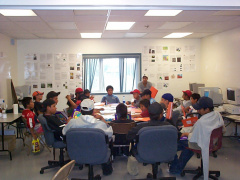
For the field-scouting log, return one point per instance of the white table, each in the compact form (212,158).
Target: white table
(10,118)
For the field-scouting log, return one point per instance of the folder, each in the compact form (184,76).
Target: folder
(154,91)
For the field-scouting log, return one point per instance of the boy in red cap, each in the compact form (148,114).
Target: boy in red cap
(136,95)
(37,97)
(186,101)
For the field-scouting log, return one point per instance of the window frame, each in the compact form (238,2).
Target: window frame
(138,56)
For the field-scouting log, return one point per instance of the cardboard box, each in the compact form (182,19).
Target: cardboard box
(9,142)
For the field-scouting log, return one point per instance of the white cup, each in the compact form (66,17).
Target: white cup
(0,114)
(4,115)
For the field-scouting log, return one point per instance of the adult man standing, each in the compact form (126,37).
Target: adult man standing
(144,84)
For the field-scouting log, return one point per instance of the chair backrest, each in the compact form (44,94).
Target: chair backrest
(48,132)
(87,145)
(175,117)
(157,143)
(64,172)
(215,139)
(122,128)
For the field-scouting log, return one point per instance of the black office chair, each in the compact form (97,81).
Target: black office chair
(88,146)
(52,142)
(155,145)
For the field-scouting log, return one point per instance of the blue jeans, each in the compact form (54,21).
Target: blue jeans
(178,164)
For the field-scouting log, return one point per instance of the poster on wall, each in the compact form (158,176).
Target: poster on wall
(53,70)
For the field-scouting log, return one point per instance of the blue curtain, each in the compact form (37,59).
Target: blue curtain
(121,73)
(89,73)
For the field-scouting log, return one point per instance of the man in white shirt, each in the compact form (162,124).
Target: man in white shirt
(89,120)
(199,136)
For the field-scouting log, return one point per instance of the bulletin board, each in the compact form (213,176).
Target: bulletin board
(51,71)
(165,65)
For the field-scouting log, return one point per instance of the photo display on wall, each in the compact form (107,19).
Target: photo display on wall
(53,71)
(165,63)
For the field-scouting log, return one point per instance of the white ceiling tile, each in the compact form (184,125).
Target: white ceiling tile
(49,35)
(22,36)
(68,35)
(58,18)
(124,18)
(207,27)
(90,12)
(24,18)
(174,25)
(108,34)
(33,25)
(66,31)
(62,25)
(197,35)
(3,18)
(93,25)
(190,16)
(8,26)
(54,12)
(227,13)
(128,12)
(90,18)
(155,35)
(145,26)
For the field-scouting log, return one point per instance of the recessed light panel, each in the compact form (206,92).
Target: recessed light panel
(177,35)
(133,35)
(119,25)
(163,12)
(91,35)
(17,12)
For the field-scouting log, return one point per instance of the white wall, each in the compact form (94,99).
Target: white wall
(220,60)
(8,67)
(108,46)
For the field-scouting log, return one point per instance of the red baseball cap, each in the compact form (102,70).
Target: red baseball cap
(78,90)
(135,91)
(37,93)
(188,92)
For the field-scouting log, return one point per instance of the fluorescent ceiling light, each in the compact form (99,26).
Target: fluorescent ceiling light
(17,12)
(119,25)
(91,35)
(134,34)
(177,35)
(163,12)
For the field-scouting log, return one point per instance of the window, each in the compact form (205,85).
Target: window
(122,71)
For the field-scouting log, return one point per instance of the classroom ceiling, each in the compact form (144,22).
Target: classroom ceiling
(68,24)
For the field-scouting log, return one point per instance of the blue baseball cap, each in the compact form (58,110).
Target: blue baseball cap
(168,97)
(203,102)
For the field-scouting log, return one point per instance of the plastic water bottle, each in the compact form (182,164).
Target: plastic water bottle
(124,100)
(4,107)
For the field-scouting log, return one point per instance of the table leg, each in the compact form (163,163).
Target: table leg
(10,154)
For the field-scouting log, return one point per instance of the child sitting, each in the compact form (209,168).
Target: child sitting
(49,110)
(87,95)
(186,101)
(110,98)
(194,99)
(31,119)
(144,104)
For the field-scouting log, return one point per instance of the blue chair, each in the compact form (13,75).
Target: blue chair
(155,145)
(52,142)
(88,146)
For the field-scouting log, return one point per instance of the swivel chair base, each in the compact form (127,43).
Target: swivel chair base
(90,175)
(199,173)
(53,164)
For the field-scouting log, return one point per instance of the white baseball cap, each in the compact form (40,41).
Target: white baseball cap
(87,105)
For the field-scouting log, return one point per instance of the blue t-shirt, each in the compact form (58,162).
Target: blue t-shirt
(152,100)
(110,99)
